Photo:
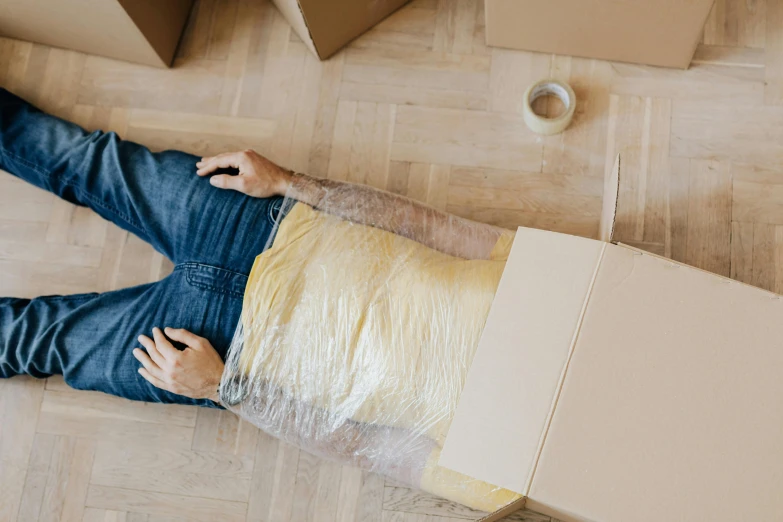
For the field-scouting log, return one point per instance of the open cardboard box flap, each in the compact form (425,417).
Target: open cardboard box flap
(634,382)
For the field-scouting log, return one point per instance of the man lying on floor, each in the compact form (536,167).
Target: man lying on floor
(359,310)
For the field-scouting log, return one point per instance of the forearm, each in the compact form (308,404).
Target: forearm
(261,178)
(397,214)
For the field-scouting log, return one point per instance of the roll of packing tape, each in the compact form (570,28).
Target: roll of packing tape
(541,124)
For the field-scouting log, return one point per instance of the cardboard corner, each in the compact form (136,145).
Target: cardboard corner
(160,24)
(308,38)
(327,27)
(609,209)
(505,511)
(292,12)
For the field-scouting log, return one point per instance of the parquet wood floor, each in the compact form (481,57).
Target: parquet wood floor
(420,106)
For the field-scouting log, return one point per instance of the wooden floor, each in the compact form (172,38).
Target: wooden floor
(419,106)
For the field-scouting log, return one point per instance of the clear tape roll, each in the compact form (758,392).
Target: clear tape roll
(544,125)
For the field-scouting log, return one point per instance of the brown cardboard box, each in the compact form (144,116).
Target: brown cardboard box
(652,32)
(142,31)
(640,387)
(325,27)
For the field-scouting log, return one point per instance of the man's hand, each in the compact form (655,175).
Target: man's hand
(194,372)
(258,177)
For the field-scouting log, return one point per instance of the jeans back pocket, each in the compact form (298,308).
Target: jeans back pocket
(214,279)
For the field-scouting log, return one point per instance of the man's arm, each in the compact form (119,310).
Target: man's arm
(361,204)
(197,371)
(394,213)
(194,372)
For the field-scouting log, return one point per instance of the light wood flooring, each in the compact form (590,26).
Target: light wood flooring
(419,105)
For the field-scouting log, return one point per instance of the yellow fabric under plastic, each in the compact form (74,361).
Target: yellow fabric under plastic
(373,327)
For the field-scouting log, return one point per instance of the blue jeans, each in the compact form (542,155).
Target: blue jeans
(211,235)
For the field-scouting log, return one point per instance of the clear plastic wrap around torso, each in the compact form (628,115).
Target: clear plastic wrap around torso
(355,342)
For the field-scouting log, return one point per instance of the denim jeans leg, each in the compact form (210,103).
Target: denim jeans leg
(157,196)
(89,338)
(212,235)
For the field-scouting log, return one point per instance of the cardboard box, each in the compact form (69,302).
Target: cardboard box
(141,31)
(612,385)
(325,27)
(659,32)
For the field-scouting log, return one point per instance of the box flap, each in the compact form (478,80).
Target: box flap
(512,384)
(670,390)
(611,197)
(672,401)
(293,14)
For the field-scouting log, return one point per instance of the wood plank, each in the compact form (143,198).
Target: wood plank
(582,148)
(639,132)
(164,504)
(402,67)
(709,217)
(737,23)
(20,399)
(726,131)
(773,93)
(466,138)
(274,479)
(221,431)
(729,56)
(167,470)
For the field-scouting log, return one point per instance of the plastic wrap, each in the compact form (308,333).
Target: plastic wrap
(359,325)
